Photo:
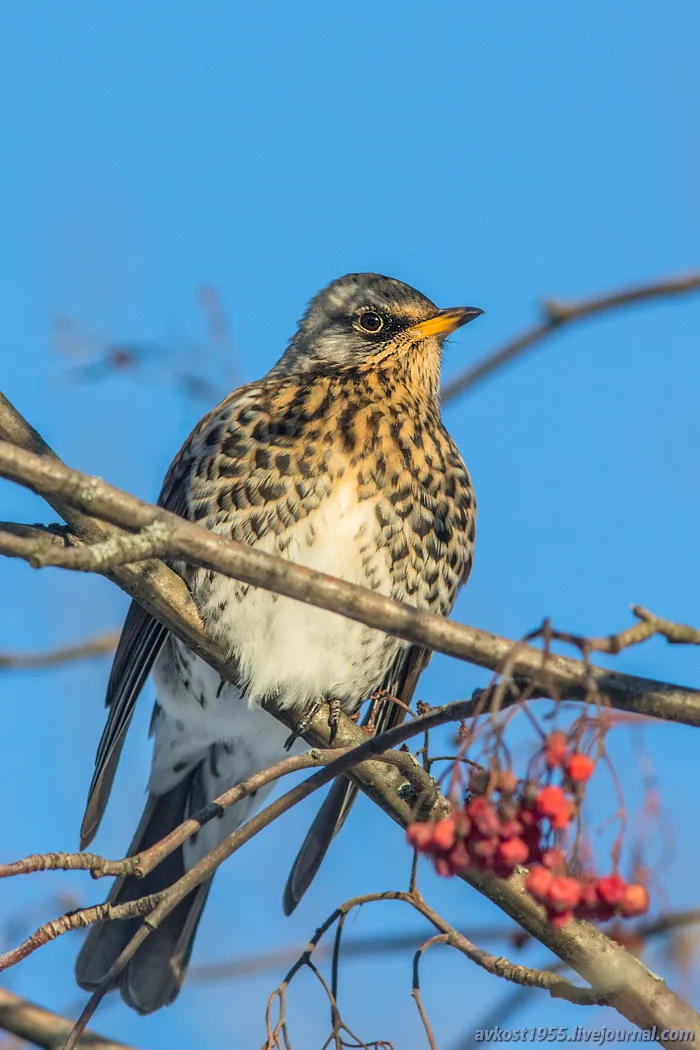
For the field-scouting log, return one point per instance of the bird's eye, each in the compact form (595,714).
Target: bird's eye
(369,321)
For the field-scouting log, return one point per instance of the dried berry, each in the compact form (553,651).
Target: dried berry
(506,782)
(556,747)
(478,781)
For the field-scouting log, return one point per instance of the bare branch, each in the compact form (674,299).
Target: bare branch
(43,1028)
(157,905)
(676,633)
(634,992)
(559,314)
(168,532)
(77,920)
(100,645)
(144,862)
(558,987)
(439,938)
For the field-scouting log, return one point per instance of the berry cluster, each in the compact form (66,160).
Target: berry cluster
(498,830)
(586,898)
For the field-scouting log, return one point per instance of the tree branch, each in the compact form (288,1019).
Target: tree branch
(557,315)
(44,1028)
(163,532)
(634,992)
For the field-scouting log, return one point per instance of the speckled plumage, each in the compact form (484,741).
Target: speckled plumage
(337,460)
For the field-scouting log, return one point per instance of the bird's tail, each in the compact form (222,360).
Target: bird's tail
(154,976)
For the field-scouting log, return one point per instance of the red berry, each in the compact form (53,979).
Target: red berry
(537,882)
(579,768)
(550,800)
(458,858)
(483,817)
(589,903)
(512,852)
(556,746)
(564,893)
(635,900)
(528,817)
(442,867)
(559,919)
(611,890)
(561,818)
(555,860)
(510,829)
(482,850)
(420,835)
(445,833)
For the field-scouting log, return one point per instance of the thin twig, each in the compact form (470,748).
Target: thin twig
(558,315)
(100,645)
(439,938)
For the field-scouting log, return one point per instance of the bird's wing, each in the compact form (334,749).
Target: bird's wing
(141,641)
(400,683)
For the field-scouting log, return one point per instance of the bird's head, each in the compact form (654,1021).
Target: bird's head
(364,319)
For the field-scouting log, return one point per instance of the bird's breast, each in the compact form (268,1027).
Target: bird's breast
(295,650)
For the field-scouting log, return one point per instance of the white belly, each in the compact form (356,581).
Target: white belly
(301,652)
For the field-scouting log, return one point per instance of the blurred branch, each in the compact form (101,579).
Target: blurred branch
(99,645)
(353,948)
(43,1028)
(611,971)
(557,315)
(383,944)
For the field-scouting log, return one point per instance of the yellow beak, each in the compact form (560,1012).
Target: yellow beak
(445,322)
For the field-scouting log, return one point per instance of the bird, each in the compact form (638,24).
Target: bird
(338,460)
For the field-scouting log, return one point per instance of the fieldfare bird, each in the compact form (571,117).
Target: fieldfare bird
(338,460)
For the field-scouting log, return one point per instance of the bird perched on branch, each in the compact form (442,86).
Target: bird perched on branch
(337,460)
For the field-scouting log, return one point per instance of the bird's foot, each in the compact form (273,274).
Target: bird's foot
(334,713)
(302,726)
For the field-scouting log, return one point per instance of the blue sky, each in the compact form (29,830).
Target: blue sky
(488,154)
